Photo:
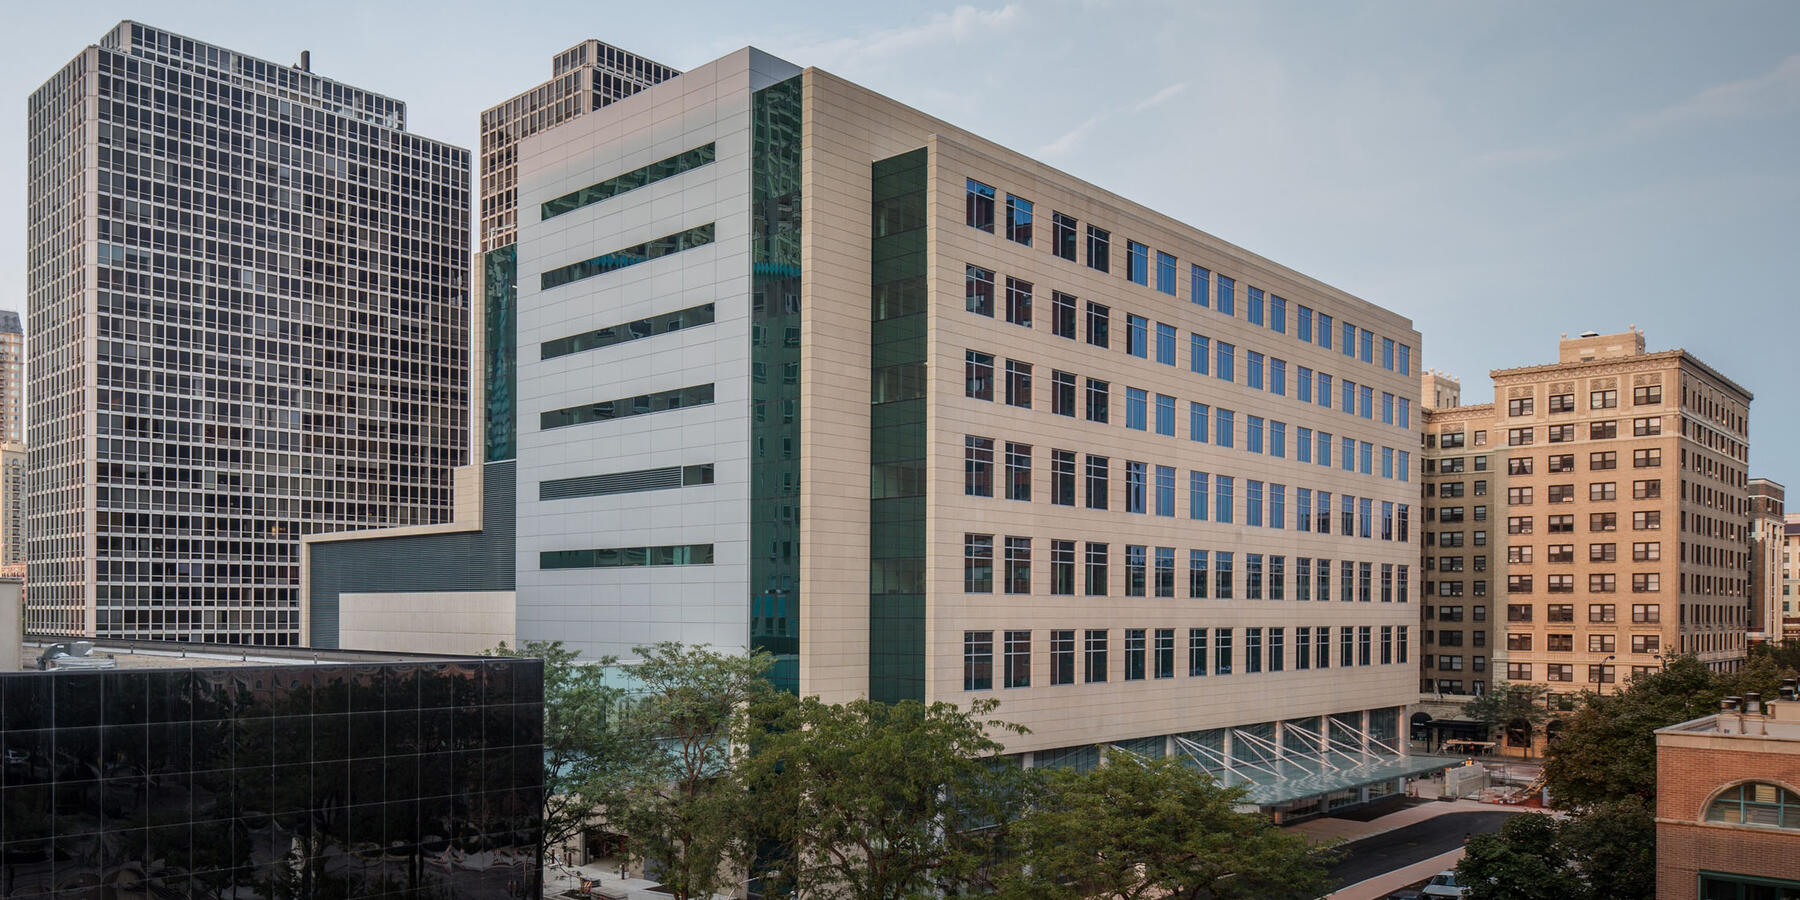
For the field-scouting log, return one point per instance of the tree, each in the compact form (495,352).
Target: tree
(877,801)
(1607,749)
(1605,852)
(1510,703)
(1137,828)
(583,745)
(681,801)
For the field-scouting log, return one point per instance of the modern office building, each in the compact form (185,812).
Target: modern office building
(1728,802)
(1464,481)
(1767,535)
(583,78)
(249,301)
(12,378)
(796,369)
(196,770)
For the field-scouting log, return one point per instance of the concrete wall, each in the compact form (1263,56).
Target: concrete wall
(451,622)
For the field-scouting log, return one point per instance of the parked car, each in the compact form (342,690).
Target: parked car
(1444,884)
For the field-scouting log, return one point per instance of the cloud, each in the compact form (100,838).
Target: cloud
(1068,140)
(960,25)
(1774,91)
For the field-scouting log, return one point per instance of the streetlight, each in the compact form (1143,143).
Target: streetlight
(1600,676)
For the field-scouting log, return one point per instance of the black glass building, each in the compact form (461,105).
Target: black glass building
(365,779)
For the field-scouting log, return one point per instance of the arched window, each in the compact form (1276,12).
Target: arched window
(1756,803)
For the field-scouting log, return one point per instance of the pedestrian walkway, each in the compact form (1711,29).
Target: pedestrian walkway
(1382,885)
(603,882)
(1326,829)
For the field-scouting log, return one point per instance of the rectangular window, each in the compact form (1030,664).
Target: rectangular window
(1253,303)
(1253,364)
(1387,354)
(1062,315)
(1225,295)
(979,291)
(1253,504)
(1137,336)
(1099,324)
(1163,657)
(630,256)
(1199,351)
(1164,580)
(1277,314)
(1062,477)
(1303,439)
(1165,415)
(978,375)
(1094,656)
(1062,568)
(1324,390)
(980,201)
(1135,409)
(978,466)
(1197,652)
(1165,490)
(1062,235)
(1135,488)
(1224,427)
(1137,263)
(1221,651)
(1647,395)
(1096,482)
(1094,570)
(1278,439)
(1134,654)
(643,404)
(1646,427)
(1018,384)
(1197,496)
(1222,575)
(1062,657)
(1324,331)
(1165,344)
(1253,575)
(1253,434)
(1018,471)
(1278,377)
(1165,273)
(1348,340)
(1346,646)
(1018,302)
(1222,505)
(1017,670)
(978,660)
(1198,413)
(978,563)
(1099,249)
(1368,346)
(1197,574)
(1405,365)
(1018,220)
(1224,366)
(1200,285)
(1253,650)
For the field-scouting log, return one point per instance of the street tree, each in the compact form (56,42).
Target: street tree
(680,800)
(1509,704)
(583,744)
(1136,828)
(1521,861)
(877,801)
(1603,852)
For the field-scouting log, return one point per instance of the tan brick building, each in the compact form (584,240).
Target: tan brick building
(1462,484)
(1728,803)
(1767,537)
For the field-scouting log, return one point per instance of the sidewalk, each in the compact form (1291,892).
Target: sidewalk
(1326,829)
(1382,885)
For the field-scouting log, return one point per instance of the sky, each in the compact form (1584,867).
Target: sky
(1502,173)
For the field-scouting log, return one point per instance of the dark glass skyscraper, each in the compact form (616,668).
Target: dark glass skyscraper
(249,301)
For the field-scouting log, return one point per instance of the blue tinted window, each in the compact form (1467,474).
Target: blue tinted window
(1405,466)
(1303,444)
(1197,499)
(1349,399)
(980,199)
(1165,344)
(1197,416)
(1368,346)
(1200,285)
(1254,369)
(1278,439)
(1277,314)
(1365,396)
(1304,390)
(1165,490)
(1278,377)
(1135,488)
(1199,353)
(1222,427)
(1387,354)
(1165,415)
(1225,362)
(1367,457)
(1253,434)
(1324,390)
(1165,273)
(1324,453)
(1387,462)
(1405,413)
(1137,336)
(1222,500)
(1348,343)
(1137,262)
(1226,288)
(1347,454)
(1277,519)
(1405,360)
(1304,331)
(1253,300)
(1253,503)
(1018,219)
(1325,331)
(1387,408)
(1135,402)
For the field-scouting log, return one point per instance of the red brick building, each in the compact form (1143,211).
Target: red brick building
(1728,803)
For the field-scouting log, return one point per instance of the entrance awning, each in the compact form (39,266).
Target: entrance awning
(1271,791)
(1277,774)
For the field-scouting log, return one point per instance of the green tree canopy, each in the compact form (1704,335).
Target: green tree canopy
(1605,852)
(1139,828)
(583,745)
(877,801)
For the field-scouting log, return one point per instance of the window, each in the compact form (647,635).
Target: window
(1137,336)
(1646,395)
(1018,219)
(1017,669)
(1099,324)
(978,563)
(1303,328)
(1561,434)
(1018,302)
(1645,643)
(1096,482)
(1519,496)
(1517,437)
(1253,365)
(1163,660)
(1519,406)
(1277,314)
(981,216)
(1165,273)
(1062,235)
(1098,394)
(1603,614)
(1165,344)
(1646,582)
(1559,672)
(978,660)
(1062,315)
(1165,572)
(1603,400)
(978,466)
(1519,465)
(1561,612)
(1603,552)
(1518,612)
(1646,459)
(1602,674)
(1348,340)
(1518,584)
(1165,415)
(1364,639)
(1646,427)
(1062,657)
(1561,462)
(1200,285)
(1062,477)
(1603,522)
(1137,263)
(1018,471)
(1018,384)
(1099,249)
(1135,409)
(1560,524)
(1559,643)
(1562,403)
(1646,521)
(1600,431)
(1649,489)
(1062,568)
(1224,427)
(1134,487)
(1646,551)
(1253,567)
(1062,393)
(1322,647)
(1224,366)
(1222,575)
(1095,570)
(980,291)
(1196,652)
(1165,490)
(1604,461)
(1758,804)
(1253,302)
(1253,434)
(978,375)
(1368,346)
(1253,650)
(1094,656)
(1134,654)
(1221,651)
(1197,574)
(1646,613)
(1225,294)
(1518,671)
(1603,490)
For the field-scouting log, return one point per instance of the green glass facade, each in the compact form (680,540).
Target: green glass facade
(500,296)
(775,380)
(897,430)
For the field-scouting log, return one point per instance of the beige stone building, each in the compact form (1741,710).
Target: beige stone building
(1462,486)
(1619,529)
(12,508)
(1790,577)
(12,378)
(1767,535)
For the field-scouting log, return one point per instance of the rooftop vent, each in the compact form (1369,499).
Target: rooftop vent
(1588,334)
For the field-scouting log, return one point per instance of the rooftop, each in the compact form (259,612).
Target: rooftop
(110,653)
(1749,717)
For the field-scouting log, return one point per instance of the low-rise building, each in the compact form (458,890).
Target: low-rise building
(1728,802)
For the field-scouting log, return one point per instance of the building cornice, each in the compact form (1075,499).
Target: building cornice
(1620,365)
